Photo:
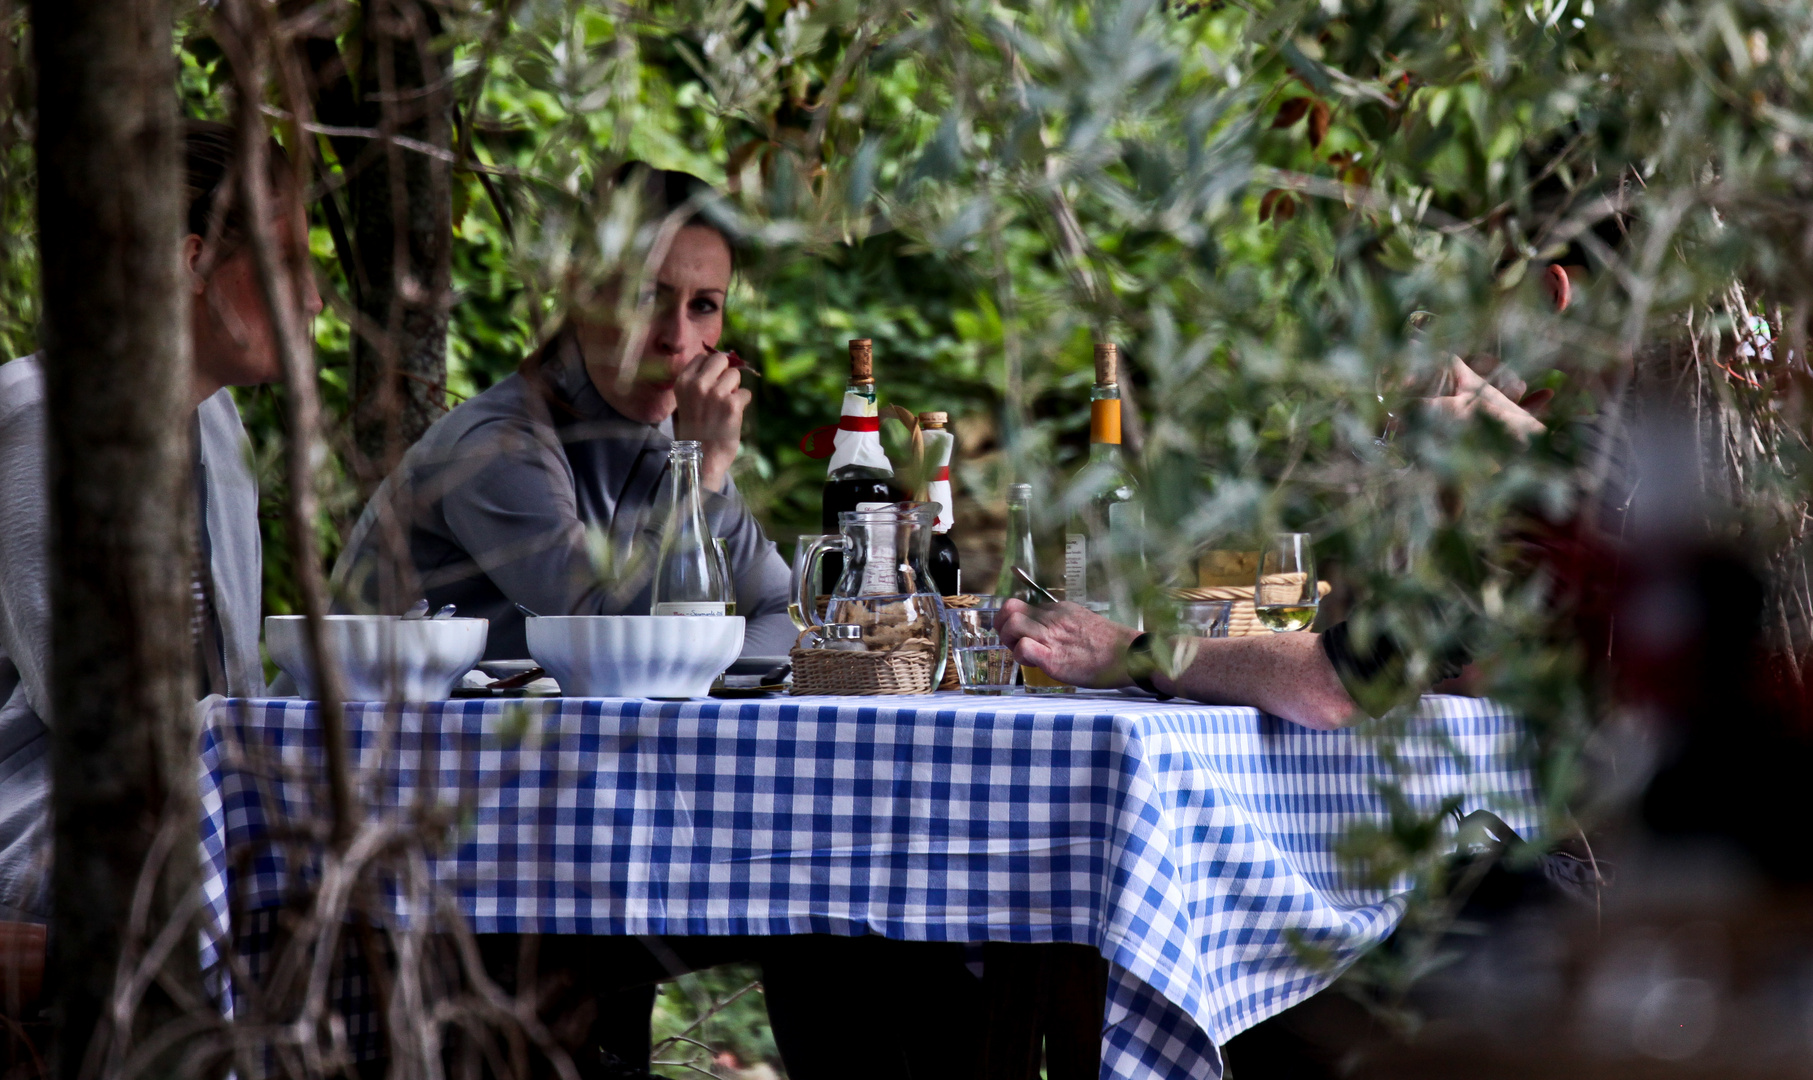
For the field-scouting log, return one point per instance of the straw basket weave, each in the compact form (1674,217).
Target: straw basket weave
(842,671)
(1242,622)
(837,671)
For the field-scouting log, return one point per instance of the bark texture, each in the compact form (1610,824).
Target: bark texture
(400,203)
(122,501)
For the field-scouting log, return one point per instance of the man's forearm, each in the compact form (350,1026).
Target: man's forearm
(1287,675)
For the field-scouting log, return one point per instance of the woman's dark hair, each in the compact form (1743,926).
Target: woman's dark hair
(209,151)
(667,190)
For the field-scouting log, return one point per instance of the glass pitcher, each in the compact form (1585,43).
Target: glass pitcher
(886,588)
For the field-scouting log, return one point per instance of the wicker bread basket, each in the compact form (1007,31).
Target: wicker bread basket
(837,671)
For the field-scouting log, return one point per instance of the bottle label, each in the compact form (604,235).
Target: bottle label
(938,445)
(859,437)
(1076,566)
(1105,421)
(689,607)
(939,491)
(881,571)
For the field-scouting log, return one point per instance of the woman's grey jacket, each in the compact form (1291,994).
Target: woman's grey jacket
(543,499)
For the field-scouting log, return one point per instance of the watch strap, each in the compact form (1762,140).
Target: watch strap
(1141,664)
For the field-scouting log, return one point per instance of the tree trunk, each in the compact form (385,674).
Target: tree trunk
(401,209)
(122,503)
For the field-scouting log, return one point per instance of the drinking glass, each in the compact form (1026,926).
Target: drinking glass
(1284,594)
(984,665)
(1205,618)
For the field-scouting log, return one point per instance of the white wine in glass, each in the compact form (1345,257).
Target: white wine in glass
(1284,594)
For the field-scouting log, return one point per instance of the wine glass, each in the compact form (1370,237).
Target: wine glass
(1284,594)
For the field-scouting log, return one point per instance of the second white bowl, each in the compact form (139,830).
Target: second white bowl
(664,656)
(382,657)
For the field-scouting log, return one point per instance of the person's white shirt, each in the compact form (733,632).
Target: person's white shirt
(231,496)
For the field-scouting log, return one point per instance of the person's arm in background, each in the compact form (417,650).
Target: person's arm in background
(24,550)
(1287,675)
(1470,394)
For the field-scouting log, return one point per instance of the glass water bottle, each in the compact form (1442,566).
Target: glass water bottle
(689,571)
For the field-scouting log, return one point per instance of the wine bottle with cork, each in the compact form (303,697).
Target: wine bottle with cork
(859,470)
(945,568)
(1103,545)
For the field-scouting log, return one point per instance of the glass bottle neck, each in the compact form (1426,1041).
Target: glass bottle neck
(865,390)
(1019,536)
(1104,422)
(686,486)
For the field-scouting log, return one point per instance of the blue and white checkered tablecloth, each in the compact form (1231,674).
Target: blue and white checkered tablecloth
(1192,845)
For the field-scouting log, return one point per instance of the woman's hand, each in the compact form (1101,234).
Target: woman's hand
(1068,642)
(710,400)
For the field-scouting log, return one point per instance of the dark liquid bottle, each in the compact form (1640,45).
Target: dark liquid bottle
(946,570)
(860,472)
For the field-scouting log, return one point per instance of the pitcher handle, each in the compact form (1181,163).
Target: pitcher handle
(806,559)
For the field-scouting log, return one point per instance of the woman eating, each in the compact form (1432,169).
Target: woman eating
(507,501)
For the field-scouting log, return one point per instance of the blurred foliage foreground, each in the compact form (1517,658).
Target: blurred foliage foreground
(1289,214)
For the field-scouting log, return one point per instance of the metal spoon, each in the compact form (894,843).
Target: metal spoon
(417,610)
(1036,587)
(445,613)
(527,612)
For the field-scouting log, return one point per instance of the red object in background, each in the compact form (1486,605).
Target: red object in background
(22,950)
(820,442)
(1613,600)
(1555,282)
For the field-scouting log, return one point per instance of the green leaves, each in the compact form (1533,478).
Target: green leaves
(1290,215)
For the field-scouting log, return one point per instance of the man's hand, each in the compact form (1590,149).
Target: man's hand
(710,400)
(1473,394)
(1068,642)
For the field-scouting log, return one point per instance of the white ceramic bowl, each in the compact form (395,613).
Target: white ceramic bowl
(382,657)
(664,656)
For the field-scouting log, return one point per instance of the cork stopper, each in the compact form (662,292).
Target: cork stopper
(1107,363)
(934,419)
(862,360)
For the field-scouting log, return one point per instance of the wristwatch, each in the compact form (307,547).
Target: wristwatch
(1141,665)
